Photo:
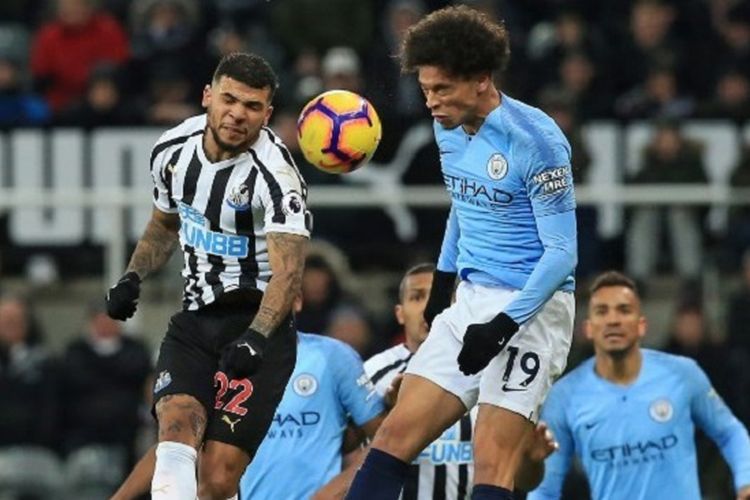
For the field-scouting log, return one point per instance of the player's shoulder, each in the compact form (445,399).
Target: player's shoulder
(531,130)
(270,153)
(392,356)
(327,345)
(190,126)
(681,366)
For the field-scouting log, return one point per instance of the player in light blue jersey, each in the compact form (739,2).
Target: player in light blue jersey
(510,238)
(302,449)
(630,414)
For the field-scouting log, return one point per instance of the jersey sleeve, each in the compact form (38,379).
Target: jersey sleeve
(355,390)
(284,201)
(449,248)
(713,416)
(161,175)
(549,184)
(557,464)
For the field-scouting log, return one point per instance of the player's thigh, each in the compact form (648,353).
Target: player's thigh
(244,408)
(519,378)
(423,411)
(183,389)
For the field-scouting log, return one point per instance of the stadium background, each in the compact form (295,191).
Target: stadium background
(653,95)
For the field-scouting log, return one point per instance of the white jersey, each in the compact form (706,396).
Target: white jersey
(445,469)
(226,208)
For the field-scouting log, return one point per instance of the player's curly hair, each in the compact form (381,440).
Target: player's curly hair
(250,69)
(460,40)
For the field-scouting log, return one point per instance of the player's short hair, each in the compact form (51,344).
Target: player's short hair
(612,278)
(460,40)
(250,69)
(422,268)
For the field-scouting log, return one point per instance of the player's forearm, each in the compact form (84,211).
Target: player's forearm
(153,249)
(337,487)
(286,254)
(277,302)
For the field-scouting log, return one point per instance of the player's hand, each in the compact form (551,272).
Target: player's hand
(744,493)
(242,357)
(122,298)
(484,341)
(541,443)
(391,394)
(441,294)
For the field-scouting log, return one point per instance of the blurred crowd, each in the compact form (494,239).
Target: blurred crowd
(103,63)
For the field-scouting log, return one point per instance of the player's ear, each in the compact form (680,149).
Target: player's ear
(206,96)
(587,329)
(484,81)
(642,327)
(269,112)
(399,312)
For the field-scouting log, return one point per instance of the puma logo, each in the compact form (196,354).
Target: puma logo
(253,352)
(229,422)
(160,489)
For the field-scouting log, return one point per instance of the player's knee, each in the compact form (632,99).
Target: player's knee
(218,482)
(396,438)
(181,419)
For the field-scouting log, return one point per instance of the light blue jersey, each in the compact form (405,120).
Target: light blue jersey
(637,441)
(302,450)
(512,219)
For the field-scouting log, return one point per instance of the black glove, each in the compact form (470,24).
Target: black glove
(242,357)
(484,341)
(441,294)
(122,298)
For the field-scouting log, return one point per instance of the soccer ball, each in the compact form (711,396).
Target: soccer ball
(338,131)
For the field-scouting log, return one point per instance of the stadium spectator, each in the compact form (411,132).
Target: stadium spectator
(321,294)
(103,104)
(103,378)
(169,98)
(658,96)
(340,68)
(738,313)
(66,49)
(629,414)
(18,106)
(670,157)
(730,99)
(351,325)
(28,379)
(737,240)
(164,32)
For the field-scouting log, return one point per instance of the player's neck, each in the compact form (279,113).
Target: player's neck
(486,105)
(620,369)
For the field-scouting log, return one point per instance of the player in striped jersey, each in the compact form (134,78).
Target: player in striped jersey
(227,188)
(445,469)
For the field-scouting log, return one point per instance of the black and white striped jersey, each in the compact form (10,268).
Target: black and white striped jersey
(226,208)
(445,469)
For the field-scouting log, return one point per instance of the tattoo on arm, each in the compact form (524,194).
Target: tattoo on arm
(286,253)
(155,246)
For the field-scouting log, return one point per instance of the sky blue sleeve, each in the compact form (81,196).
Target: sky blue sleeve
(449,249)
(713,416)
(558,235)
(355,390)
(557,464)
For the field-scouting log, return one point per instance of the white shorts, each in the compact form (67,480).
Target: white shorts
(518,378)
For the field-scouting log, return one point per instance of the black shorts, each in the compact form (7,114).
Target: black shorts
(239,411)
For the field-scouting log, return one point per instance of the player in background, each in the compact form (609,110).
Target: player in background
(444,469)
(630,414)
(227,188)
(510,239)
